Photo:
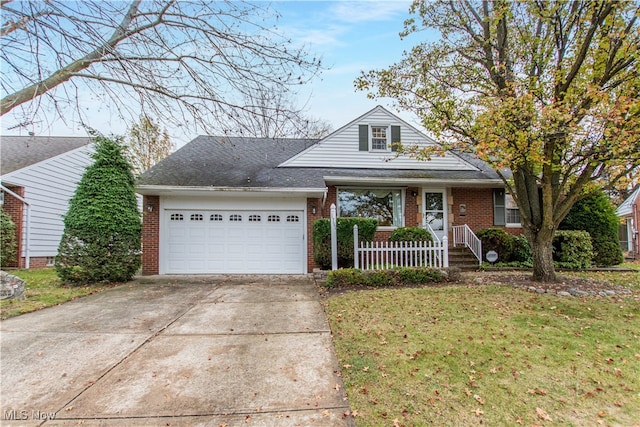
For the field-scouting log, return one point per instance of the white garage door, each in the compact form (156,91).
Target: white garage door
(241,241)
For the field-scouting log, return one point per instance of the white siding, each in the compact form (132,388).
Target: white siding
(48,187)
(341,149)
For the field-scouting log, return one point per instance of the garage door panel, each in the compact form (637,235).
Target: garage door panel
(219,241)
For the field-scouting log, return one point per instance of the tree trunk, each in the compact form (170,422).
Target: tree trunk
(542,249)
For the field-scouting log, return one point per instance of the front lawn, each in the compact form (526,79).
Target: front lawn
(489,354)
(43,289)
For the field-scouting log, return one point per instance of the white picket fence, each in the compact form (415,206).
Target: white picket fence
(384,255)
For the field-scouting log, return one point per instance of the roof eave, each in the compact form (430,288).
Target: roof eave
(418,182)
(174,190)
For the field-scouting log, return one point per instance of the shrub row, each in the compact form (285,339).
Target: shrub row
(386,278)
(571,248)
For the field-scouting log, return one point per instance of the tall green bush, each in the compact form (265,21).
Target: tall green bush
(498,240)
(8,243)
(344,231)
(572,249)
(597,216)
(102,229)
(410,234)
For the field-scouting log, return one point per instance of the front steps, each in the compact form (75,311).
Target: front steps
(461,257)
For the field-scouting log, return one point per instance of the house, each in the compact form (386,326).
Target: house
(629,213)
(39,175)
(247,205)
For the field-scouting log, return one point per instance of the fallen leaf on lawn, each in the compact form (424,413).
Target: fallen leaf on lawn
(354,413)
(337,387)
(602,414)
(478,399)
(396,422)
(366,369)
(542,414)
(478,412)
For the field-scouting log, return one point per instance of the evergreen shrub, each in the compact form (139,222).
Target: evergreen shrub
(410,234)
(102,228)
(344,231)
(572,249)
(8,243)
(596,215)
(498,240)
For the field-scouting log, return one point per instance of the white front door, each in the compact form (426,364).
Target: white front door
(434,208)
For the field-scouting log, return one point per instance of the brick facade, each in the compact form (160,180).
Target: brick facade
(15,208)
(151,235)
(477,213)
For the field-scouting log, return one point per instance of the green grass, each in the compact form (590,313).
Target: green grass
(43,289)
(491,355)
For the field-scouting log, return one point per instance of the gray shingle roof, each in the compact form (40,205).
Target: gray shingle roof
(210,161)
(18,152)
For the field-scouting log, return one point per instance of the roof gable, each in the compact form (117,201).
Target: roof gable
(626,208)
(19,152)
(341,148)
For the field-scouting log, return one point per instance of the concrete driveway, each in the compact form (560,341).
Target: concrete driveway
(188,351)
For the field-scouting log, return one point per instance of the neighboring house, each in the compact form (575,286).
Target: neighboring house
(39,175)
(245,205)
(629,213)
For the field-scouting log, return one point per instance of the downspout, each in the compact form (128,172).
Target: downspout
(26,232)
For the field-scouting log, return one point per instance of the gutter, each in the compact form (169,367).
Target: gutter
(154,190)
(414,181)
(27,237)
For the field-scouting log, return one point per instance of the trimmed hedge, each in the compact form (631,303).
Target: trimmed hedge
(496,239)
(596,215)
(410,234)
(344,230)
(386,278)
(572,249)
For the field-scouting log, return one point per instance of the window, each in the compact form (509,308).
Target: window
(197,217)
(215,217)
(505,210)
(512,211)
(254,218)
(293,218)
(51,261)
(379,137)
(177,217)
(385,205)
(273,218)
(235,218)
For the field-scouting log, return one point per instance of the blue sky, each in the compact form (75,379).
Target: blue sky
(350,37)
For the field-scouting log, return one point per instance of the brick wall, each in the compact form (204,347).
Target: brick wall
(479,209)
(151,235)
(15,208)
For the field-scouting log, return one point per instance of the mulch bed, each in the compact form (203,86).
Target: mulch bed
(569,284)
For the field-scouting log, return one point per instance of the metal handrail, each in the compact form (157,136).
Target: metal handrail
(433,233)
(462,234)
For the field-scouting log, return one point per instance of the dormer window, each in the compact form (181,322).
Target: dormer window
(379,137)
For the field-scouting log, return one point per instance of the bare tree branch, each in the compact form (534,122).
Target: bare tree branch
(191,57)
